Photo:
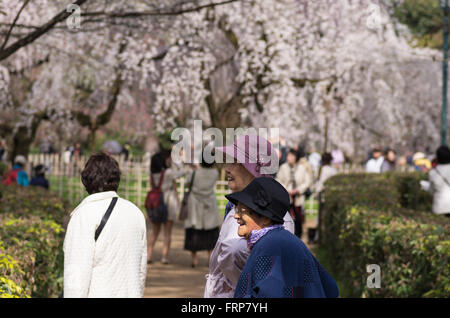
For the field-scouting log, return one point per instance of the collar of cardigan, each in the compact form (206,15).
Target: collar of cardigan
(96,197)
(255,235)
(100,196)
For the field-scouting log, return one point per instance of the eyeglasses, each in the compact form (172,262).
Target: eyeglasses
(242,209)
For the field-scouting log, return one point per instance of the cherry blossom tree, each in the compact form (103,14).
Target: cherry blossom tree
(335,74)
(74,75)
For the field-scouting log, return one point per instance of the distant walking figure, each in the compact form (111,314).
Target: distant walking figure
(203,220)
(163,174)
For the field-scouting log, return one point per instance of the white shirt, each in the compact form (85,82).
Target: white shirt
(116,264)
(374,165)
(440,189)
(228,258)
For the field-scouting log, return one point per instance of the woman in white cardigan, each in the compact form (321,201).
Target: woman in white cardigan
(115,264)
(440,182)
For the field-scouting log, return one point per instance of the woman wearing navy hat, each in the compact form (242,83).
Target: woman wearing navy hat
(279,264)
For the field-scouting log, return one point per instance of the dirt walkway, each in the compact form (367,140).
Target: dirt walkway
(178,279)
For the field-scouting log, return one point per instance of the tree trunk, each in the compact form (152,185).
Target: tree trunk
(327,123)
(92,139)
(23,138)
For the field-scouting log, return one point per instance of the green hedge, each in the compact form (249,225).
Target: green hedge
(31,238)
(384,219)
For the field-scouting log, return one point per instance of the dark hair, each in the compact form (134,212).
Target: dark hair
(158,162)
(39,170)
(301,152)
(326,158)
(387,150)
(296,153)
(443,155)
(100,174)
(376,150)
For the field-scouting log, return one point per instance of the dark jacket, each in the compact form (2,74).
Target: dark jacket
(281,266)
(39,181)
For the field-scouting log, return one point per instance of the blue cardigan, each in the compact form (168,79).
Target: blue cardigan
(281,266)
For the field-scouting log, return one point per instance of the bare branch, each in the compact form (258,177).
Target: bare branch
(13,24)
(5,53)
(154,12)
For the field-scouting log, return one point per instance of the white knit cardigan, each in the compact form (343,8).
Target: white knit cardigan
(116,264)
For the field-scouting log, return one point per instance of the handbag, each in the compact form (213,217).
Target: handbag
(101,226)
(184,204)
(154,203)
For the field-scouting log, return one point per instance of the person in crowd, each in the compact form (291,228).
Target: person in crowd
(67,155)
(421,162)
(39,179)
(2,149)
(296,179)
(374,165)
(303,160)
(203,222)
(113,262)
(439,179)
(338,158)
(389,160)
(161,170)
(314,160)
(77,151)
(326,172)
(126,149)
(402,164)
(279,264)
(245,160)
(17,175)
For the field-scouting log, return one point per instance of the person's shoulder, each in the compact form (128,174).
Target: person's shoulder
(128,204)
(444,167)
(131,209)
(301,166)
(22,173)
(276,238)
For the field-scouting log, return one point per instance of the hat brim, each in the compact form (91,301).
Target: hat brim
(228,151)
(247,200)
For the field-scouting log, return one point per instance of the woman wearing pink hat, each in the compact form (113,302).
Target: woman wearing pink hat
(250,157)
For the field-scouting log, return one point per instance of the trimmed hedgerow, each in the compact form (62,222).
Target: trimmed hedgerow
(375,219)
(31,238)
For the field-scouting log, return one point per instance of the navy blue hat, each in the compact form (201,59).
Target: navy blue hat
(264,196)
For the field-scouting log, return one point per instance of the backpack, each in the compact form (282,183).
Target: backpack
(12,177)
(154,202)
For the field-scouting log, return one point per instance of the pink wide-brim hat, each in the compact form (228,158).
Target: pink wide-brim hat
(255,153)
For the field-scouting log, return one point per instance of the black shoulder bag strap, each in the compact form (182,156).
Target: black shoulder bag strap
(191,183)
(443,178)
(105,218)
